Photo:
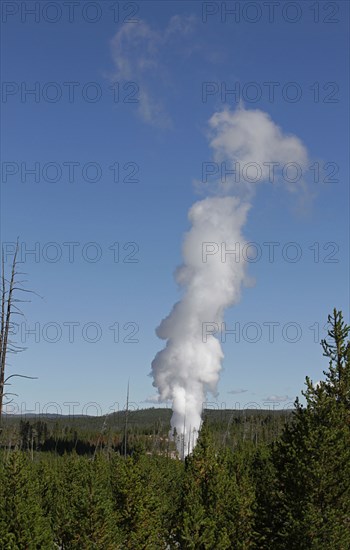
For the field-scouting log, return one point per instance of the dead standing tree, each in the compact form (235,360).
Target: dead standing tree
(9,289)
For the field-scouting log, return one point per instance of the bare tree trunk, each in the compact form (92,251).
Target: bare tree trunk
(6,310)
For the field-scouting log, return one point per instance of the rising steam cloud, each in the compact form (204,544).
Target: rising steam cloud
(189,366)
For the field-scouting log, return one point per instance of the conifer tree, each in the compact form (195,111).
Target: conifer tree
(217,503)
(22,521)
(78,499)
(313,457)
(136,503)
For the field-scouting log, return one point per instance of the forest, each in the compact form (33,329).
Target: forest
(255,480)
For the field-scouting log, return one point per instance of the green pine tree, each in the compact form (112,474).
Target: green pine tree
(137,504)
(22,521)
(313,457)
(217,499)
(78,500)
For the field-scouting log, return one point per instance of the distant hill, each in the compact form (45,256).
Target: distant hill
(143,418)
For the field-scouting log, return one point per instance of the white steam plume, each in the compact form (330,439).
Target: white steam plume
(189,365)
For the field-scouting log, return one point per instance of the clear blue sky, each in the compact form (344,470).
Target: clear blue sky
(168,55)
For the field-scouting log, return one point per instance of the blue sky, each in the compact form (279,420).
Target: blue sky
(168,55)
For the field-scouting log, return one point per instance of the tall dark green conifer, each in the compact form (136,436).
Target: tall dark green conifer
(22,521)
(313,457)
(137,505)
(217,501)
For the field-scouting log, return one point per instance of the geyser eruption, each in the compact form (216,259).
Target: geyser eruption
(189,365)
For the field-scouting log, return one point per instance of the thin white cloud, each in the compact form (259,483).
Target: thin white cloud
(154,400)
(236,392)
(138,56)
(278,398)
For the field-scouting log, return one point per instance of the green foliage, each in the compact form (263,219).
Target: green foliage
(22,522)
(244,486)
(78,499)
(144,490)
(266,498)
(217,499)
(312,458)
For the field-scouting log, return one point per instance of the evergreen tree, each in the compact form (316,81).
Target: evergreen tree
(267,503)
(217,500)
(137,505)
(313,457)
(22,521)
(78,500)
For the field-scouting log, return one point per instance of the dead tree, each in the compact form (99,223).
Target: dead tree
(9,308)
